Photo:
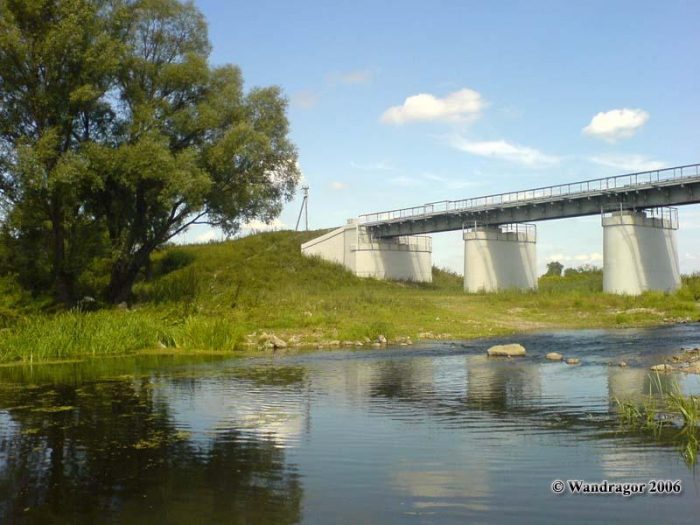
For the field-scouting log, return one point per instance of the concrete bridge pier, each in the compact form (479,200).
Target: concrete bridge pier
(406,258)
(500,258)
(640,251)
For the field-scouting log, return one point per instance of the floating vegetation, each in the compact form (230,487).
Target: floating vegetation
(53,410)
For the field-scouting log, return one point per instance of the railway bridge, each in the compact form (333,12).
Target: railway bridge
(638,215)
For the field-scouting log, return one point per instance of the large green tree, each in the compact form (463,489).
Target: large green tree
(118,135)
(57,64)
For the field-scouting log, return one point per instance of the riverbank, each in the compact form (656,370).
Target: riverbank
(229,297)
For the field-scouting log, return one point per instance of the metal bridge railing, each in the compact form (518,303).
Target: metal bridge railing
(617,182)
(522,231)
(664,217)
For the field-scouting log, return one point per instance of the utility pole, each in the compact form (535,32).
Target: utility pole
(304,208)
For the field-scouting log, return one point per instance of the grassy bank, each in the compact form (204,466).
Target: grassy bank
(213,297)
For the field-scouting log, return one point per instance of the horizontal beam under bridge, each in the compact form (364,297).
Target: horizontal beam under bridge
(652,189)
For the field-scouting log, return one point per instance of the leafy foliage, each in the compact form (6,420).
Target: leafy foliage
(554,269)
(116,135)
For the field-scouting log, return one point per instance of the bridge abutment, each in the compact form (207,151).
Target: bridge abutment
(406,258)
(500,258)
(640,251)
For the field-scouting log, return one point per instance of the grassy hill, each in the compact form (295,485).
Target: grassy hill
(220,297)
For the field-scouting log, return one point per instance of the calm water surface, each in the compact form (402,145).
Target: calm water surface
(427,434)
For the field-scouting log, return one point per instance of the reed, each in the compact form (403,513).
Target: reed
(668,416)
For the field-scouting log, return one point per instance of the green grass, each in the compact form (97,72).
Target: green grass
(208,298)
(668,416)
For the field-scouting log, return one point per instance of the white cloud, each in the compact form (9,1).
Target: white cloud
(404,181)
(628,162)
(501,149)
(305,99)
(616,124)
(373,166)
(339,185)
(464,105)
(303,180)
(451,184)
(461,184)
(363,76)
(433,177)
(206,236)
(257,225)
(579,258)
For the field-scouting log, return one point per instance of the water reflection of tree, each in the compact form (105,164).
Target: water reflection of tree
(109,450)
(400,379)
(502,386)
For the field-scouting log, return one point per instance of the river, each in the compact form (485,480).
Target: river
(434,433)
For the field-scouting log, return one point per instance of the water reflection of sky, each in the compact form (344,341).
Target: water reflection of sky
(428,434)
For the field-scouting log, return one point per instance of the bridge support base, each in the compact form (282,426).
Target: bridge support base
(500,258)
(640,251)
(402,258)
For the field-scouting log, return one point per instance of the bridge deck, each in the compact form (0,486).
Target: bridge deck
(650,189)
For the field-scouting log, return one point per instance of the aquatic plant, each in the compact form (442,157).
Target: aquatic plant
(669,416)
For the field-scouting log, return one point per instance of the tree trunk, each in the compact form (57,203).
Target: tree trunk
(62,280)
(121,282)
(124,274)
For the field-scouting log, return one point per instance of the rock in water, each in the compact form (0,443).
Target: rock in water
(553,356)
(277,342)
(622,363)
(573,361)
(662,368)
(511,350)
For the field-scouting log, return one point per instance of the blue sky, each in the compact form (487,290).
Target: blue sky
(487,97)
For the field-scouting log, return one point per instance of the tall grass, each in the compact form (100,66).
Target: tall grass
(207,297)
(210,334)
(668,416)
(73,334)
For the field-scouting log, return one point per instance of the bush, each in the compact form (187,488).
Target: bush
(175,259)
(179,286)
(690,286)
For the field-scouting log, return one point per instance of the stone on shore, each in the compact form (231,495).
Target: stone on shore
(553,356)
(693,368)
(662,368)
(622,363)
(270,341)
(277,342)
(511,350)
(381,339)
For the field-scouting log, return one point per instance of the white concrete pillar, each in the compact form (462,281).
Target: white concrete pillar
(500,258)
(406,258)
(640,251)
